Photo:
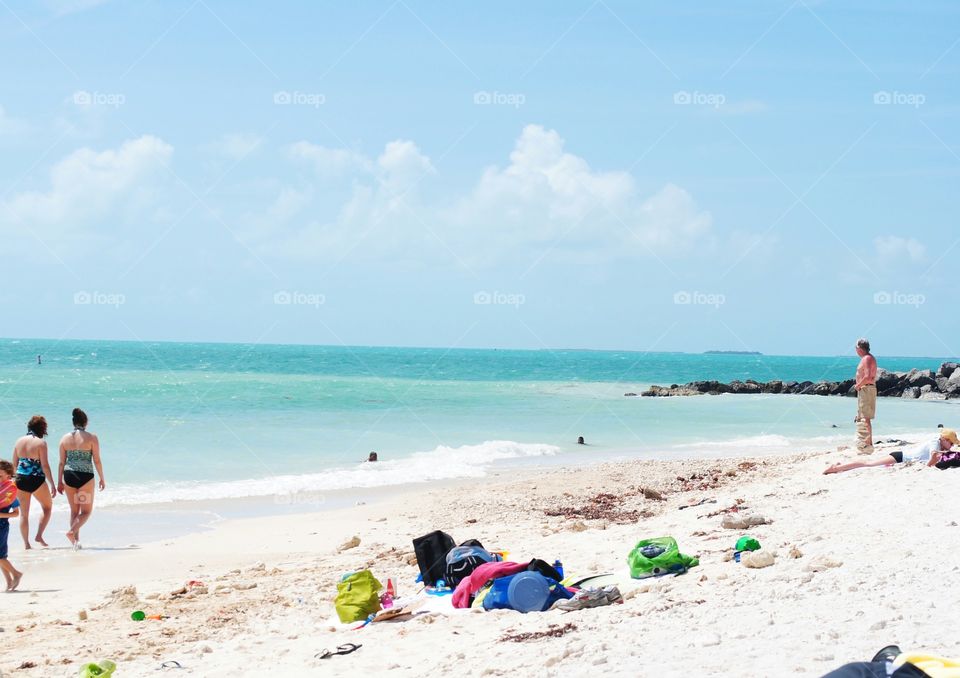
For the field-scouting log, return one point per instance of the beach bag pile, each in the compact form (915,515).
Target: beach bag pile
(358,596)
(657,557)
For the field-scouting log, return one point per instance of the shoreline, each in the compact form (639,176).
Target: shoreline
(270,580)
(119,525)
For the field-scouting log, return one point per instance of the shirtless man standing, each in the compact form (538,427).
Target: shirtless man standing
(866,387)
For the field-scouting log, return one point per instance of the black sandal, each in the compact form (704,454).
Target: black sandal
(341,649)
(887,654)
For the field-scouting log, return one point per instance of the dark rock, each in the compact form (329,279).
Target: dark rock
(803,387)
(886,380)
(744,387)
(920,378)
(629,395)
(775,386)
(822,388)
(947,369)
(910,392)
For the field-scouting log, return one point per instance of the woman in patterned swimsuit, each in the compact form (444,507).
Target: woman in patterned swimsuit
(33,478)
(79,454)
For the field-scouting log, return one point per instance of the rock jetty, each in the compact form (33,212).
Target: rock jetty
(922,384)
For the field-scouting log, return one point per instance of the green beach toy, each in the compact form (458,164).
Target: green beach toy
(104,667)
(746,543)
(138,615)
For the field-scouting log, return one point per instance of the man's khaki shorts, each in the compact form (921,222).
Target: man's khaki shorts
(867,402)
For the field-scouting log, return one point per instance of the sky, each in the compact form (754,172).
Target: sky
(760,175)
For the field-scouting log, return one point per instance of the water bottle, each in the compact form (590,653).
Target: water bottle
(558,566)
(386,599)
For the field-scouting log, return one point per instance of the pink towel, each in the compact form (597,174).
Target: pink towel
(467,587)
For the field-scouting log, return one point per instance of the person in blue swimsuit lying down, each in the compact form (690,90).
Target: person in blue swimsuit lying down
(79,455)
(33,478)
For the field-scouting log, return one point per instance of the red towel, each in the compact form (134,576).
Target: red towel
(469,586)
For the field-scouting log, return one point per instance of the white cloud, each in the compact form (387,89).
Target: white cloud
(88,185)
(236,146)
(546,195)
(330,161)
(893,247)
(544,198)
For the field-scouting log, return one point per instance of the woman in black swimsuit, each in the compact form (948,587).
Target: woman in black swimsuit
(33,478)
(79,456)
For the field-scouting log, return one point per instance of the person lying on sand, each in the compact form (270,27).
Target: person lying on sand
(926,452)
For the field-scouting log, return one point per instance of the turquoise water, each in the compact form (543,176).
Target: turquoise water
(197,421)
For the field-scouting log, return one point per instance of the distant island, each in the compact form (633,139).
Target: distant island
(733,352)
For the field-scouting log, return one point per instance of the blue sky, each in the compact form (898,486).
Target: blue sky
(772,176)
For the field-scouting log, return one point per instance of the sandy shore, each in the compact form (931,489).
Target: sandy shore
(266,604)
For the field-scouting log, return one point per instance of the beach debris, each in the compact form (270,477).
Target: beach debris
(743,522)
(82,615)
(578,526)
(733,508)
(552,631)
(795,552)
(650,493)
(699,503)
(351,543)
(27,665)
(757,559)
(602,506)
(124,596)
(822,563)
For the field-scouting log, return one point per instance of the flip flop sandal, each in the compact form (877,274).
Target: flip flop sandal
(887,654)
(171,664)
(341,649)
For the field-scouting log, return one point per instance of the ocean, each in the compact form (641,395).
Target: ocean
(182,422)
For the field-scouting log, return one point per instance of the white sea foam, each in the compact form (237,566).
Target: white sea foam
(441,463)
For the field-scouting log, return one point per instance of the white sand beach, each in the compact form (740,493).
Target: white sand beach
(863,559)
